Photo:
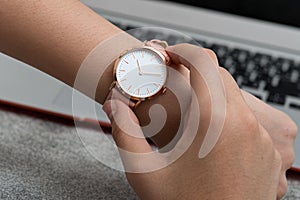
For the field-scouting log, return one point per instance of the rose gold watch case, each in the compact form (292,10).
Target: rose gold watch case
(137,100)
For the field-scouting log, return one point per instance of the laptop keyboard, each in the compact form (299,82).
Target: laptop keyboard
(269,78)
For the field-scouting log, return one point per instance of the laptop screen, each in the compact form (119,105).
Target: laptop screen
(279,11)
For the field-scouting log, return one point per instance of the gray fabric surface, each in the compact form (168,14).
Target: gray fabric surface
(41,159)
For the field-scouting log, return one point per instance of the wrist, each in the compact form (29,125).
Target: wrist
(113,48)
(97,68)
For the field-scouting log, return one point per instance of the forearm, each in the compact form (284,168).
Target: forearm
(53,36)
(56,36)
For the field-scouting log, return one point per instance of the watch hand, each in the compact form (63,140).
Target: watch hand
(139,66)
(150,73)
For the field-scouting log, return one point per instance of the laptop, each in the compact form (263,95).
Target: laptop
(258,46)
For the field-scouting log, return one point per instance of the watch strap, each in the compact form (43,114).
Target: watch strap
(159,46)
(115,94)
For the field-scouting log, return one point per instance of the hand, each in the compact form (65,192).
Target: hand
(281,128)
(244,155)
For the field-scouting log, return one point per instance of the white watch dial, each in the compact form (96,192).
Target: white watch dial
(141,73)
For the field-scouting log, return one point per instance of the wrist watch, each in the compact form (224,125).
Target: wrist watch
(141,73)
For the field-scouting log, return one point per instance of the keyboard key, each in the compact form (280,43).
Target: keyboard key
(249,83)
(250,66)
(285,65)
(286,87)
(276,98)
(229,62)
(253,76)
(239,80)
(275,81)
(262,59)
(220,50)
(272,71)
(296,106)
(240,55)
(294,76)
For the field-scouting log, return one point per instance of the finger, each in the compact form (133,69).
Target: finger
(215,91)
(212,54)
(283,186)
(193,57)
(204,72)
(281,128)
(125,128)
(269,117)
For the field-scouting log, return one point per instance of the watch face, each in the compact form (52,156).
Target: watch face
(141,73)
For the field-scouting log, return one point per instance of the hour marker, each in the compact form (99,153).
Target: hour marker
(148,90)
(126,61)
(143,53)
(156,84)
(139,91)
(122,70)
(129,87)
(123,80)
(133,55)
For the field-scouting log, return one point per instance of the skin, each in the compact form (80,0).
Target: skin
(58,47)
(45,41)
(281,128)
(257,169)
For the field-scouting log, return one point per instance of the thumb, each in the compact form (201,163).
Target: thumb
(126,130)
